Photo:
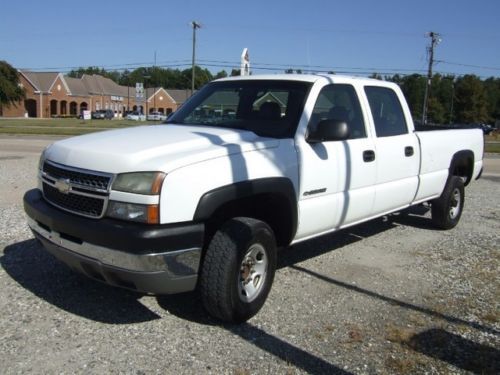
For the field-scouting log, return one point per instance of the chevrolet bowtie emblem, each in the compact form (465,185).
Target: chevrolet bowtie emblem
(63,185)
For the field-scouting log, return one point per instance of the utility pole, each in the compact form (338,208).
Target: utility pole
(435,39)
(195,26)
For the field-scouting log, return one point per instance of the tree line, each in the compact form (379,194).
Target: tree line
(156,76)
(466,99)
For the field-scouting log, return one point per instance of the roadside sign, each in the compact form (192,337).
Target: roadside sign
(86,115)
(139,91)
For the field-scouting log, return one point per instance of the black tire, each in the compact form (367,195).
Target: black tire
(447,209)
(228,259)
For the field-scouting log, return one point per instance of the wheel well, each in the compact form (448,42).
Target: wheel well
(462,165)
(272,208)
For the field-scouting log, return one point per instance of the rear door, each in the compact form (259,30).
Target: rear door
(396,150)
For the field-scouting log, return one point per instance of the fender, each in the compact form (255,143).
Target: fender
(282,186)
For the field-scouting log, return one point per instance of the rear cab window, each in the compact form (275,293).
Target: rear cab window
(387,112)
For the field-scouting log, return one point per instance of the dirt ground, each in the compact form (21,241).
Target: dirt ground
(390,296)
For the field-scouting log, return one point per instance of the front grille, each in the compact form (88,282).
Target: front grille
(86,192)
(94,181)
(84,205)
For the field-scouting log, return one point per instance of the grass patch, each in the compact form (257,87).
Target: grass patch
(48,131)
(407,365)
(399,335)
(493,136)
(62,126)
(491,317)
(492,147)
(355,334)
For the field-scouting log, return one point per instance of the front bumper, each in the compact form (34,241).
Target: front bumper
(157,259)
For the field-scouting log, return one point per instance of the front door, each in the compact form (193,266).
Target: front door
(337,179)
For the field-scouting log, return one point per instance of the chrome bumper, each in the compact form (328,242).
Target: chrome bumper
(158,273)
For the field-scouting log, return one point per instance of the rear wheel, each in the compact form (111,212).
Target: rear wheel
(447,209)
(238,269)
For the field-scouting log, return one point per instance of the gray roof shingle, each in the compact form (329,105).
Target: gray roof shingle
(180,96)
(76,86)
(41,80)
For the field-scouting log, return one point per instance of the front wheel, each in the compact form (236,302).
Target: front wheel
(447,209)
(238,269)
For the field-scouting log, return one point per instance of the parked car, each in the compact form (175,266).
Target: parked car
(136,116)
(102,114)
(204,205)
(486,128)
(156,116)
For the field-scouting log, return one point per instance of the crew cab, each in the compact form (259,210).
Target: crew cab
(246,166)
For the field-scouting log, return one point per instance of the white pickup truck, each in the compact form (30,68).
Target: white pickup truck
(246,166)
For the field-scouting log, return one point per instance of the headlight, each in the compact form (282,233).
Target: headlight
(139,182)
(134,212)
(42,158)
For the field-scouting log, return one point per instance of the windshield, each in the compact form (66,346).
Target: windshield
(266,107)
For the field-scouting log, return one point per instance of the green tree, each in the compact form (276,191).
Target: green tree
(440,99)
(221,74)
(78,73)
(11,91)
(202,77)
(413,87)
(436,112)
(471,103)
(492,91)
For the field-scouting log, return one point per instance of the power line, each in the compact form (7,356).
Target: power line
(467,65)
(115,66)
(328,68)
(179,64)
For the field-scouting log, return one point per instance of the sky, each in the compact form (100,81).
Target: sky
(354,37)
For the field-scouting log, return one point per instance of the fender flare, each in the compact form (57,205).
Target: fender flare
(283,186)
(457,158)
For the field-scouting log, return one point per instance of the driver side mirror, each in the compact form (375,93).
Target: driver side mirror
(329,130)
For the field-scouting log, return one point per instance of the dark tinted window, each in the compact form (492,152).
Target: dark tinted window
(339,102)
(269,108)
(386,111)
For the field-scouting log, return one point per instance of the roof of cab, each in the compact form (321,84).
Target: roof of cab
(299,77)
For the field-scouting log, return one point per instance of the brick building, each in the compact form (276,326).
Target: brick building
(50,94)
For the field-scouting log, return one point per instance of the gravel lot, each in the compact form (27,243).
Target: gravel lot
(389,296)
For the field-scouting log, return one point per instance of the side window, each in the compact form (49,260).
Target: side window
(339,102)
(386,111)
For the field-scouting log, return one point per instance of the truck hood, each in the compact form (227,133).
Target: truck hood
(153,148)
